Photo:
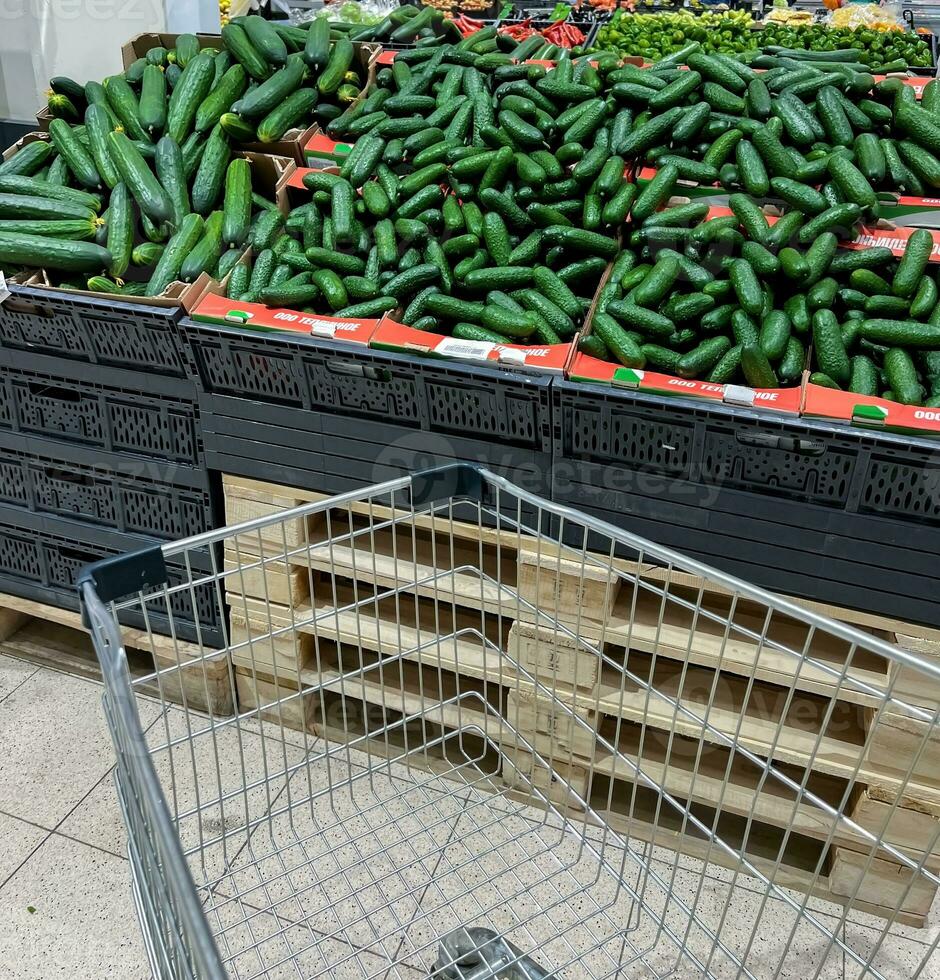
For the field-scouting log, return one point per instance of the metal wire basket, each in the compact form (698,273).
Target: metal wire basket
(480,735)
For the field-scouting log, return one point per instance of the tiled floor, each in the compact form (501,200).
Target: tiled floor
(386,864)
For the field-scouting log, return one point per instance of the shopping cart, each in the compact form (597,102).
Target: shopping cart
(481,735)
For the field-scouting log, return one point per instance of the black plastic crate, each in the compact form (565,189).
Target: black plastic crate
(121,493)
(40,559)
(331,409)
(843,516)
(115,333)
(100,408)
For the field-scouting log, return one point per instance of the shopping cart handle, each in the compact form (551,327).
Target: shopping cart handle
(125,574)
(454,480)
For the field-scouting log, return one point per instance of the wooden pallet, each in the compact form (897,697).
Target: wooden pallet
(174,671)
(585,596)
(292,580)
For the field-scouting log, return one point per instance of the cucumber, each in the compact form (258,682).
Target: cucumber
(205,256)
(508,322)
(238,44)
(147,253)
(152,106)
(798,195)
(702,358)
(28,160)
(851,182)
(74,229)
(716,71)
(292,111)
(210,175)
(338,261)
(271,93)
(624,348)
(187,47)
(237,128)
(829,348)
(72,150)
(120,230)
(657,283)
(168,162)
(901,375)
(124,105)
(237,203)
(264,39)
(639,318)
(178,247)
(317,47)
(655,194)
(831,113)
(35,187)
(913,263)
(340,60)
(746,286)
(188,95)
(901,333)
(151,198)
(580,241)
(554,289)
(97,127)
(839,219)
(45,252)
(756,367)
(332,288)
(221,98)
(751,169)
(774,334)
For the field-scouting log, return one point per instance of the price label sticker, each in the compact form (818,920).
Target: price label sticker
(4,292)
(473,350)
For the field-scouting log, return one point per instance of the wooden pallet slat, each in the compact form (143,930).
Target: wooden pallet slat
(174,671)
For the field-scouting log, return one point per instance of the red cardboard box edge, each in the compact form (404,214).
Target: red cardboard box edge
(589,369)
(392,335)
(218,309)
(829,403)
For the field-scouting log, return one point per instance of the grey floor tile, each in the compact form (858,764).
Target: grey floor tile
(68,913)
(14,672)
(56,745)
(97,819)
(18,840)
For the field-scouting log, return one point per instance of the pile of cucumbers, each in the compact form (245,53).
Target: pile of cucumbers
(462,203)
(728,299)
(140,184)
(742,298)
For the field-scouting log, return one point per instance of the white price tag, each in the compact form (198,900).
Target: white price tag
(323,328)
(739,395)
(474,350)
(4,292)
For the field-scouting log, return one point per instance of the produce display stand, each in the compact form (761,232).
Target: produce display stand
(127,422)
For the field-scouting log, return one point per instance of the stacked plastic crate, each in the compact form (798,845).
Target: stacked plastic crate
(101,447)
